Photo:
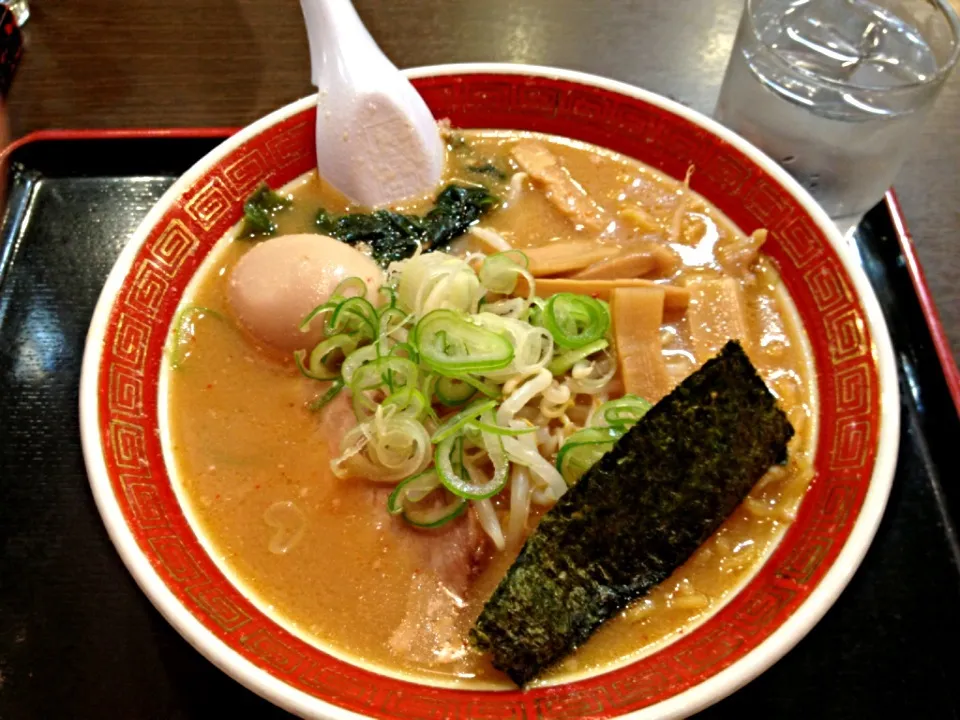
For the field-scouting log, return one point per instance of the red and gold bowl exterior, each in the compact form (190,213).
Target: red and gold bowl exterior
(855,455)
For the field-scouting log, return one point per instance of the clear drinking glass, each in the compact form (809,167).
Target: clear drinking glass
(835,90)
(20,10)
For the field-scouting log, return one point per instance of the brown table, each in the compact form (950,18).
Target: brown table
(147,63)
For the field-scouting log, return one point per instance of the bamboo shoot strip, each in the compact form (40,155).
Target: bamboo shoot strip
(636,315)
(628,265)
(716,314)
(561,257)
(738,256)
(638,514)
(667,259)
(566,194)
(675,297)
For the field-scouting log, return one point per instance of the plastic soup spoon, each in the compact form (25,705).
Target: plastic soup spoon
(377,141)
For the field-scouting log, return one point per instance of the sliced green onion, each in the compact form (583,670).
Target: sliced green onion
(436,280)
(318,368)
(562,363)
(408,401)
(390,293)
(500,274)
(339,294)
(354,315)
(535,312)
(179,338)
(453,392)
(532,346)
(574,460)
(518,257)
(356,360)
(298,357)
(332,391)
(453,424)
(438,516)
(390,321)
(328,306)
(415,488)
(593,435)
(512,307)
(488,389)
(409,499)
(394,373)
(383,449)
(453,477)
(500,430)
(500,271)
(583,449)
(596,374)
(575,320)
(624,412)
(403,347)
(428,384)
(347,285)
(450,345)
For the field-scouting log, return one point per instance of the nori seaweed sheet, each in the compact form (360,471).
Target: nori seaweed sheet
(635,516)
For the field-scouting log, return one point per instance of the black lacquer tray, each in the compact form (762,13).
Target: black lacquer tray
(79,640)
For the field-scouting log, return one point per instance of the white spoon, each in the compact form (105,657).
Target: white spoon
(377,141)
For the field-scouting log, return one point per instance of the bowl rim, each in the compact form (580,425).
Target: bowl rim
(691,700)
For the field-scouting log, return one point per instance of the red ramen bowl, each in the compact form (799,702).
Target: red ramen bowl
(123,410)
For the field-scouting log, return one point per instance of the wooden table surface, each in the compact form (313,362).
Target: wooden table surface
(165,63)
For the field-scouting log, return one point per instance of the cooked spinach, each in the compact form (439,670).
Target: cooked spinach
(458,143)
(456,209)
(636,515)
(391,235)
(487,168)
(395,236)
(259,211)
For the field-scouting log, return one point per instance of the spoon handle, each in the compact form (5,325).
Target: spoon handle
(339,42)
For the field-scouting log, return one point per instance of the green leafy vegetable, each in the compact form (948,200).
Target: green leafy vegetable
(458,143)
(259,211)
(183,330)
(636,515)
(488,168)
(395,236)
(456,208)
(391,236)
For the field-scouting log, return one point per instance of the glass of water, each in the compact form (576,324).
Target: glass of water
(20,10)
(835,90)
